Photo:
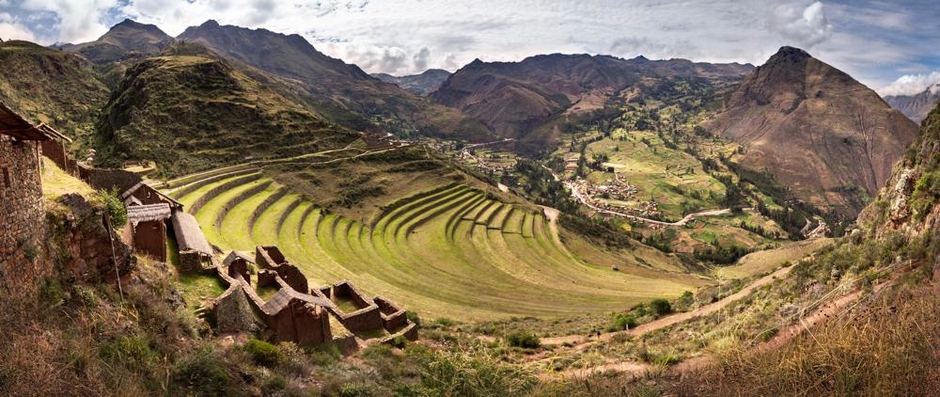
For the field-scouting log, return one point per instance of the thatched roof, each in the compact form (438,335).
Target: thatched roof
(16,126)
(285,295)
(148,213)
(141,185)
(188,234)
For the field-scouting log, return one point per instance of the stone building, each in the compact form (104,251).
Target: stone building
(21,203)
(147,224)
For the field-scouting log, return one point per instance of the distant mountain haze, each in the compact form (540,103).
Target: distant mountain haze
(421,84)
(918,106)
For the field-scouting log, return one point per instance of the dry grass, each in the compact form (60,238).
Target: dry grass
(888,347)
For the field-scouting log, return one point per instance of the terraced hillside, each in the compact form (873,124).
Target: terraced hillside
(449,251)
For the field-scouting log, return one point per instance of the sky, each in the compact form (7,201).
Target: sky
(891,46)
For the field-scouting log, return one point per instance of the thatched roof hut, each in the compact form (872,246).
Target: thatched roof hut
(188,234)
(148,213)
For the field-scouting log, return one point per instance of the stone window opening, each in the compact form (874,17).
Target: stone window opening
(6,177)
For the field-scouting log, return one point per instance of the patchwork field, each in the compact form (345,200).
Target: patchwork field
(450,250)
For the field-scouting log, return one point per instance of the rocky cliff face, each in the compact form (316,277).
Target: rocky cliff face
(910,201)
(826,136)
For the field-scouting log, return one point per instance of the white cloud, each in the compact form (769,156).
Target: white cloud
(78,20)
(912,84)
(12,29)
(806,28)
(408,36)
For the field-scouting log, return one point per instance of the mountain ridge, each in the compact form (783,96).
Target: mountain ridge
(816,128)
(916,106)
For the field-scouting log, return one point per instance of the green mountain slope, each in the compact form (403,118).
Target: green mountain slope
(51,87)
(189,110)
(332,84)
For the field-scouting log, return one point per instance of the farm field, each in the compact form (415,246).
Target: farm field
(449,250)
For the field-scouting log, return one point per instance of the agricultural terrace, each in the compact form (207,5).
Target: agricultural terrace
(450,250)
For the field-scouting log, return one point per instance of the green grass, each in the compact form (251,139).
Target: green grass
(198,288)
(455,253)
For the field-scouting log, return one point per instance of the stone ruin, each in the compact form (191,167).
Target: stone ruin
(297,313)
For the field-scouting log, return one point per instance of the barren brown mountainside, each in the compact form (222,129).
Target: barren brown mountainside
(823,134)
(128,38)
(515,98)
(916,107)
(340,91)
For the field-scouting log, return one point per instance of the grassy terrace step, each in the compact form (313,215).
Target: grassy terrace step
(208,213)
(414,211)
(460,215)
(268,202)
(389,208)
(512,222)
(188,188)
(450,251)
(498,218)
(218,189)
(235,215)
(441,208)
(409,206)
(265,230)
(187,179)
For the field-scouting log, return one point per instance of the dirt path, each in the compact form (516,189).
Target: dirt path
(584,341)
(832,305)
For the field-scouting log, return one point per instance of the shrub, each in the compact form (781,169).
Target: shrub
(413,317)
(263,353)
(660,307)
(128,351)
(622,321)
(325,354)
(524,340)
(201,374)
(115,208)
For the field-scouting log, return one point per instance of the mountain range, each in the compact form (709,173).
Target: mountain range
(141,94)
(917,106)
(518,99)
(422,84)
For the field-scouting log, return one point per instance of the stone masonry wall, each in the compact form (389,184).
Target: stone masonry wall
(21,209)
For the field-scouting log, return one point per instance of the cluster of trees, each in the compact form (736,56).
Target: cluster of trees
(541,186)
(720,254)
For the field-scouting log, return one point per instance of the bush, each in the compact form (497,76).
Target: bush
(660,307)
(263,353)
(130,352)
(524,340)
(622,321)
(413,317)
(114,206)
(201,374)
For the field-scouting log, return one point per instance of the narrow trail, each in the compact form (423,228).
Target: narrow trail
(584,341)
(830,306)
